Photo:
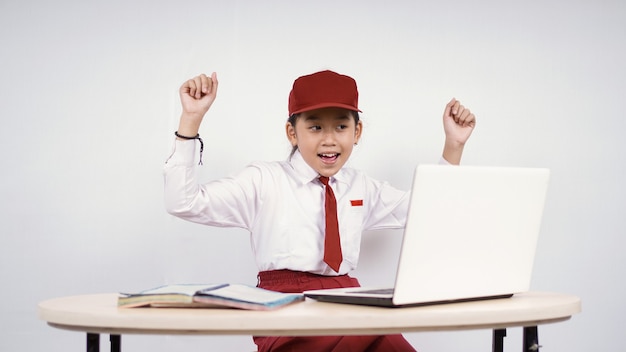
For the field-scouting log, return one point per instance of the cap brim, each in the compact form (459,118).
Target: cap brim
(326,105)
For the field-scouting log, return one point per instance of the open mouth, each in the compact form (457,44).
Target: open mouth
(328,157)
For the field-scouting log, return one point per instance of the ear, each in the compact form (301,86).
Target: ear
(357,131)
(291,134)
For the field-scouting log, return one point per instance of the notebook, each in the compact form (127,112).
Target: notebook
(471,234)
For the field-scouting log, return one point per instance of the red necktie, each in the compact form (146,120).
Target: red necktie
(332,244)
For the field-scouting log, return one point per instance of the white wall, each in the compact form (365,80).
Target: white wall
(88,102)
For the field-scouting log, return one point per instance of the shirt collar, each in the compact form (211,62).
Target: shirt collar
(306,174)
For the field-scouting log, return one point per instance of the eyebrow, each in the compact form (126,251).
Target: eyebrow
(336,118)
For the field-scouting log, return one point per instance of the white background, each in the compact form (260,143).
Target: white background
(89,104)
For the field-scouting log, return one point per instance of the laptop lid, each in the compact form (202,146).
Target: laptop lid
(471,232)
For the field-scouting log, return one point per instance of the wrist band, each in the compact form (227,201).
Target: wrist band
(194,137)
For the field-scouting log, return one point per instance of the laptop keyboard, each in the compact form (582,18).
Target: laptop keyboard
(380,291)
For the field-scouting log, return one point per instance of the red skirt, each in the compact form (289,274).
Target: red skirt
(296,281)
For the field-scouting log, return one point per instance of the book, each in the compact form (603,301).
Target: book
(208,296)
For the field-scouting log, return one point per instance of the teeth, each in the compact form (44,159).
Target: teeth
(328,155)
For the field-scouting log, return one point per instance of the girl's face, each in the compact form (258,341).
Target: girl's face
(325,138)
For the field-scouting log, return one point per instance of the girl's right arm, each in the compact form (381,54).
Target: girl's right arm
(228,202)
(196,96)
(182,189)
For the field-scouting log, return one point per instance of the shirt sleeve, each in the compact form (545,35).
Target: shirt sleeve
(226,202)
(389,207)
(443,161)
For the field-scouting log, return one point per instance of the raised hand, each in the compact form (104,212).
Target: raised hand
(196,96)
(458,124)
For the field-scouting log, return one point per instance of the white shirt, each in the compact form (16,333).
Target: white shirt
(282,205)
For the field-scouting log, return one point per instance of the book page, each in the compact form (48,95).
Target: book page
(246,294)
(185,289)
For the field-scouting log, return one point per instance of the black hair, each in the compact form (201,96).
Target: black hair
(294,117)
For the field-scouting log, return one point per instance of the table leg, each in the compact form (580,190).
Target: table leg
(498,340)
(116,343)
(531,339)
(93,342)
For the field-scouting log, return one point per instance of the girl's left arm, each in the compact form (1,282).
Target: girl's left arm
(458,124)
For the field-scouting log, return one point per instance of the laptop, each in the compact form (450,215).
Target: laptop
(471,234)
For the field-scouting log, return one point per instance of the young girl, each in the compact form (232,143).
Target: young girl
(305,215)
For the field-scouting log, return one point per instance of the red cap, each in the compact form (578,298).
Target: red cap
(322,90)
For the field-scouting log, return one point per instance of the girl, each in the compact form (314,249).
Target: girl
(306,214)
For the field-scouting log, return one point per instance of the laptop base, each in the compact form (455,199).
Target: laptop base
(388,301)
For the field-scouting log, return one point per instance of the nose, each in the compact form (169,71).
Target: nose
(328,138)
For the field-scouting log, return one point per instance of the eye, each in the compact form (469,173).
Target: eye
(315,128)
(342,127)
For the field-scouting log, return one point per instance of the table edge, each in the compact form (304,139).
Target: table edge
(303,332)
(569,307)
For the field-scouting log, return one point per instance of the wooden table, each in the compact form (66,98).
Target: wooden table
(99,314)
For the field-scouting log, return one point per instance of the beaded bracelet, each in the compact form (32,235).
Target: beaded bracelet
(194,137)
